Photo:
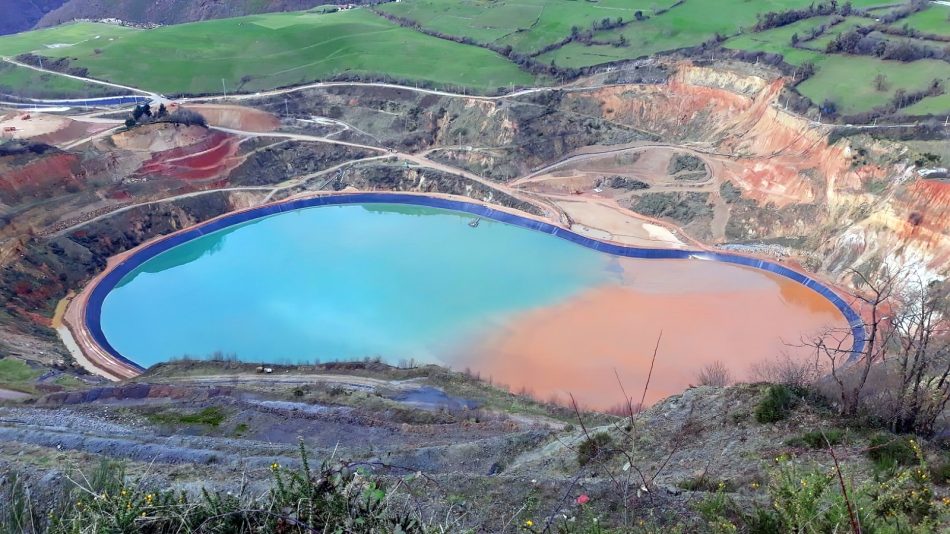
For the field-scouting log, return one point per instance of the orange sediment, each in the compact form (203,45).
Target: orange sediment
(705,311)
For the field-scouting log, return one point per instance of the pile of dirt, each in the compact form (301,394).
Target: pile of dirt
(45,128)
(237,117)
(213,156)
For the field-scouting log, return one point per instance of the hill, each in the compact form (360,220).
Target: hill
(266,51)
(854,62)
(21,15)
(169,11)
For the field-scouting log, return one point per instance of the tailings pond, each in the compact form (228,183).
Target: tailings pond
(400,281)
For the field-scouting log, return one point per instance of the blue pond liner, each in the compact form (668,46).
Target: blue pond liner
(80,102)
(112,278)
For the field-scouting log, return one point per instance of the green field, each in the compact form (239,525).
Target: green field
(849,81)
(688,24)
(779,41)
(936,105)
(526,25)
(935,19)
(267,51)
(29,83)
(820,43)
(17,375)
(56,42)
(260,52)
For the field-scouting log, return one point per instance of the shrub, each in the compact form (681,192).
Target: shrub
(336,498)
(683,207)
(776,404)
(211,416)
(685,162)
(888,451)
(809,500)
(729,192)
(705,483)
(598,446)
(816,439)
(186,117)
(941,472)
(714,374)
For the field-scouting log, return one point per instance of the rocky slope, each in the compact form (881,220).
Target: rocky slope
(487,459)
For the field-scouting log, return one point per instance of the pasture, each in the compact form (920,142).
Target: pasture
(526,25)
(934,20)
(260,52)
(848,81)
(29,83)
(267,51)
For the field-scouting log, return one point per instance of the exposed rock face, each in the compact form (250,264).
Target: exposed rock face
(844,201)
(37,171)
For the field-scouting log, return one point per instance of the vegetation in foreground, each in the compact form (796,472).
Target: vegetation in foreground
(795,495)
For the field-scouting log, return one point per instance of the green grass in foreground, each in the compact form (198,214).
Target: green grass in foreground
(25,82)
(267,51)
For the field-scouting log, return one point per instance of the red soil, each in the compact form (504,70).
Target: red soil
(211,157)
(924,217)
(40,176)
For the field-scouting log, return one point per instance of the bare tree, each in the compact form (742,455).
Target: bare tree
(849,370)
(906,353)
(714,374)
(921,358)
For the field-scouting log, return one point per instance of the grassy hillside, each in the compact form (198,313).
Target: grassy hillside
(935,19)
(849,82)
(266,51)
(526,25)
(31,83)
(419,44)
(171,11)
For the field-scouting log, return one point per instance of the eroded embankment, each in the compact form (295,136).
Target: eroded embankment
(847,203)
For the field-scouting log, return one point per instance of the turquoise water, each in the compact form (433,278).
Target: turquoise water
(342,282)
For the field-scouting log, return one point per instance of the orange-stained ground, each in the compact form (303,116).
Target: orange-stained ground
(706,311)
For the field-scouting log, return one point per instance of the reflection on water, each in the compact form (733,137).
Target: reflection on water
(185,253)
